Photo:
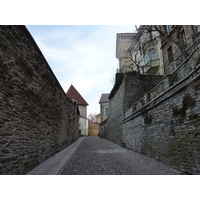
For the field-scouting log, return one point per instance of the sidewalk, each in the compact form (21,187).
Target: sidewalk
(53,165)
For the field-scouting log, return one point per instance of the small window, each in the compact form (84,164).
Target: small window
(170,54)
(153,54)
(146,58)
(106,111)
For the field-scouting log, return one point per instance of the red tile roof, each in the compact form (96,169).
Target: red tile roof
(74,94)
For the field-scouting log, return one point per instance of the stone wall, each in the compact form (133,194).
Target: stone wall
(36,118)
(167,127)
(129,88)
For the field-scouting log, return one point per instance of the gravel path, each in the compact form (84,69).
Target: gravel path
(97,156)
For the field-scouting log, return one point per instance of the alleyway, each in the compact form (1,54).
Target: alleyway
(96,156)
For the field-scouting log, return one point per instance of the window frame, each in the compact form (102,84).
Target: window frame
(106,111)
(154,57)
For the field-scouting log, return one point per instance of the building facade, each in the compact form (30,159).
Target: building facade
(162,121)
(82,106)
(178,43)
(123,41)
(145,51)
(104,106)
(156,49)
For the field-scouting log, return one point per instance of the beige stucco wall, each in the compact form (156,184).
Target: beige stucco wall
(83,110)
(103,107)
(93,129)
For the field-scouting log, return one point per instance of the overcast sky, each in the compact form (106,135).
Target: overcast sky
(82,55)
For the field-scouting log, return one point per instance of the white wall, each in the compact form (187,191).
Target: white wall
(83,126)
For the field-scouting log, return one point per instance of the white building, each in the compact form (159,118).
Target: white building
(82,106)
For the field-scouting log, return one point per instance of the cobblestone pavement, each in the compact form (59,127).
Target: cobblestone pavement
(96,156)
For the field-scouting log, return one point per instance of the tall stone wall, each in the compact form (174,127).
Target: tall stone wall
(167,128)
(128,89)
(36,116)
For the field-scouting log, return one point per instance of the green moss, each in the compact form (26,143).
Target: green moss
(179,151)
(148,149)
(187,102)
(148,119)
(178,112)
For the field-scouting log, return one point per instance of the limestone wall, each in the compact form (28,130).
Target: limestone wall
(36,117)
(167,127)
(159,117)
(127,90)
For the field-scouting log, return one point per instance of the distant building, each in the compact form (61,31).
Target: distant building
(146,52)
(93,128)
(123,42)
(82,106)
(98,118)
(104,106)
(83,126)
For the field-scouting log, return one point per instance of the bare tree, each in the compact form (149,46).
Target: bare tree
(137,56)
(92,117)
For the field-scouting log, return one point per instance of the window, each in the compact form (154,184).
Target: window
(168,29)
(150,36)
(170,54)
(146,58)
(106,111)
(153,54)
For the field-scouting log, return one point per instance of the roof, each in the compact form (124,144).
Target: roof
(74,94)
(104,98)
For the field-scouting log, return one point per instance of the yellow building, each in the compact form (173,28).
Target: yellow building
(98,118)
(123,42)
(93,128)
(146,52)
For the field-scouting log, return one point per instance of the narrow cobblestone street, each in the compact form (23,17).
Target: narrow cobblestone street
(96,156)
